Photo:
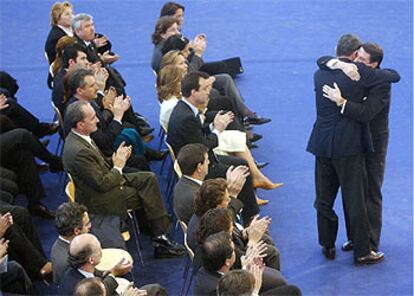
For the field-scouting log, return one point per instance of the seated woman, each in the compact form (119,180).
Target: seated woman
(230,142)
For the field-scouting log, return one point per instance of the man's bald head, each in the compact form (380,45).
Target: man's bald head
(82,248)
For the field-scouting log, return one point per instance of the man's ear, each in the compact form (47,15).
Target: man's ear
(71,62)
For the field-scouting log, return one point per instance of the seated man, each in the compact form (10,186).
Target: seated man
(85,254)
(103,185)
(185,127)
(71,220)
(193,161)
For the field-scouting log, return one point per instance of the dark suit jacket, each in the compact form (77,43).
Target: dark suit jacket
(184,128)
(98,185)
(55,34)
(334,135)
(184,195)
(206,282)
(58,91)
(72,276)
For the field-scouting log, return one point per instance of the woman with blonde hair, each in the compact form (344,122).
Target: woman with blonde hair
(231,142)
(61,21)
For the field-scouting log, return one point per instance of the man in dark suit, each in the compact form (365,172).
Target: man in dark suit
(185,127)
(339,144)
(103,185)
(193,162)
(375,110)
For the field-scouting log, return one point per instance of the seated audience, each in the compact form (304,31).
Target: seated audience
(105,186)
(71,220)
(85,253)
(213,194)
(193,162)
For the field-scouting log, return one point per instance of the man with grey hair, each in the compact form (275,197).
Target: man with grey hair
(104,185)
(339,144)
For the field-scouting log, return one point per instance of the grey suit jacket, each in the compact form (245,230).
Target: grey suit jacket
(184,195)
(59,256)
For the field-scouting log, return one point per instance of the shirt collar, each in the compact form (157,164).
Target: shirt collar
(194,180)
(86,273)
(193,108)
(86,138)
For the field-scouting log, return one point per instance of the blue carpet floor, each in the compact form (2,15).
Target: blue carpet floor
(278,41)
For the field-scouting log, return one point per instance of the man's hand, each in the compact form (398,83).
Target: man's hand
(131,291)
(3,102)
(349,69)
(109,99)
(120,157)
(257,229)
(253,253)
(222,120)
(199,44)
(108,58)
(101,75)
(101,41)
(6,221)
(257,271)
(121,104)
(121,268)
(236,177)
(4,244)
(334,94)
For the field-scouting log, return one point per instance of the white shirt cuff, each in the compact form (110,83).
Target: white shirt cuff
(118,169)
(343,107)
(331,63)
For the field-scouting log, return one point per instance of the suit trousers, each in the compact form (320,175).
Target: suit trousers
(247,194)
(16,281)
(143,193)
(24,246)
(375,165)
(349,173)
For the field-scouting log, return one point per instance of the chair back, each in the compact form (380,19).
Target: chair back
(60,120)
(177,168)
(187,247)
(70,189)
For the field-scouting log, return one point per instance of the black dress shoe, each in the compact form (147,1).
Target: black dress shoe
(329,253)
(166,248)
(256,120)
(156,155)
(41,211)
(371,258)
(255,138)
(347,246)
(56,165)
(145,131)
(261,165)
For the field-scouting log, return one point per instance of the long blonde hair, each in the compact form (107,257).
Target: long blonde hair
(169,82)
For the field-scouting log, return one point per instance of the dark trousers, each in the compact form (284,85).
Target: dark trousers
(16,281)
(247,194)
(349,173)
(375,165)
(18,148)
(24,246)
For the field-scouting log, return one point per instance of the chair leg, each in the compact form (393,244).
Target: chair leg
(137,237)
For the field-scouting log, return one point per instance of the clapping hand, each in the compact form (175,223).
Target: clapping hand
(3,102)
(257,229)
(236,177)
(120,157)
(4,245)
(6,221)
(222,120)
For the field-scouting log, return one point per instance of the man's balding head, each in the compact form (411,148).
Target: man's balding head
(84,249)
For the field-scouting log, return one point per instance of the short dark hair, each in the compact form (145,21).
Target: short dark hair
(190,156)
(70,52)
(75,113)
(89,286)
(68,216)
(375,52)
(236,283)
(191,81)
(161,27)
(209,195)
(213,221)
(170,8)
(347,44)
(215,250)
(174,42)
(75,79)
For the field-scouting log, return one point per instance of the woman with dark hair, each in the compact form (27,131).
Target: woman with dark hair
(213,194)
